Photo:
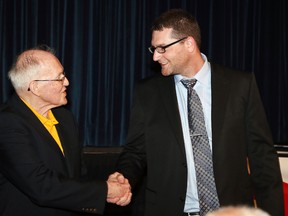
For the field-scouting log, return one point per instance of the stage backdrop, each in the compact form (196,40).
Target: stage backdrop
(103,47)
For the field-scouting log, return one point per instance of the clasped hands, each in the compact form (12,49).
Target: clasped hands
(119,190)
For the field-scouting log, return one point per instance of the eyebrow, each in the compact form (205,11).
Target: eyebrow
(160,45)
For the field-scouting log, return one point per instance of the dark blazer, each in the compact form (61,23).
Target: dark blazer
(239,131)
(35,178)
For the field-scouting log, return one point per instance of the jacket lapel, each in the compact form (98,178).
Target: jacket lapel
(170,104)
(220,93)
(66,142)
(30,117)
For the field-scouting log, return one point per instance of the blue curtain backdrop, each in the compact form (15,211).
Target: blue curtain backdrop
(103,47)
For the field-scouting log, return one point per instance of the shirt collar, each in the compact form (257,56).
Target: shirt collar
(50,121)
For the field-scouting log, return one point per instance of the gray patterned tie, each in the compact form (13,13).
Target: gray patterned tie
(207,193)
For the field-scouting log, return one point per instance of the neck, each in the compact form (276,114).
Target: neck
(195,64)
(37,105)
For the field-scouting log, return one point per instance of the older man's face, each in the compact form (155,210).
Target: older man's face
(53,91)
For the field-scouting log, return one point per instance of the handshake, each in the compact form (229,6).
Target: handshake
(119,190)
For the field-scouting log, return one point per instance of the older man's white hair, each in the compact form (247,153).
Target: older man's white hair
(238,211)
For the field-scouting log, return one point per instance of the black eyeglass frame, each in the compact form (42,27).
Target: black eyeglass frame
(162,49)
(46,80)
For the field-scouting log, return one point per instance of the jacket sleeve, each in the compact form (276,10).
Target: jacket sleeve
(132,161)
(263,159)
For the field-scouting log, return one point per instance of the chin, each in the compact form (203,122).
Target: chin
(64,102)
(166,73)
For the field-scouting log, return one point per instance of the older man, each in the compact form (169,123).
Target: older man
(39,148)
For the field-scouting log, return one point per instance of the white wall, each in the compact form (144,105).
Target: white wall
(284,168)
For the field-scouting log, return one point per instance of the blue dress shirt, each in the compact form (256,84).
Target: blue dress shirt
(203,89)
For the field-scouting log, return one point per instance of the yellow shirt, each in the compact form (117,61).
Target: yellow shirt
(49,124)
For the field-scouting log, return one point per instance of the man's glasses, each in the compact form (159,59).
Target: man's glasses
(61,79)
(162,49)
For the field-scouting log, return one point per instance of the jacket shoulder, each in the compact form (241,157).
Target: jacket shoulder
(230,73)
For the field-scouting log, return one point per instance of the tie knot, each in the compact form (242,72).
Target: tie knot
(189,83)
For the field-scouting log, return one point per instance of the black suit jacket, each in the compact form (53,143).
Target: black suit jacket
(239,130)
(35,178)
